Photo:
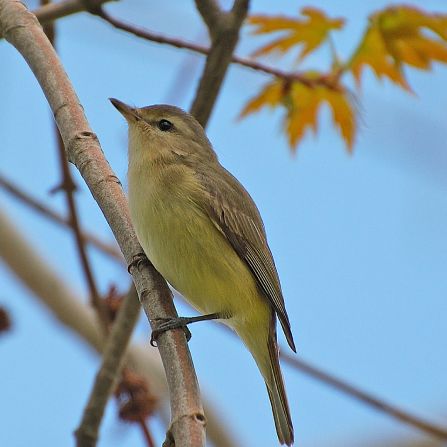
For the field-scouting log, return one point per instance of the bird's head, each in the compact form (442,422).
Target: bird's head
(164,131)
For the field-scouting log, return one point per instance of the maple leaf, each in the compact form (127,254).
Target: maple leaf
(271,95)
(397,36)
(302,104)
(309,32)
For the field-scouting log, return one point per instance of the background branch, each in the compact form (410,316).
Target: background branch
(210,12)
(21,29)
(96,8)
(54,11)
(367,398)
(54,216)
(110,370)
(224,33)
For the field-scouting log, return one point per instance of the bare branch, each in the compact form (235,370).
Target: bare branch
(68,185)
(54,11)
(366,398)
(73,6)
(46,211)
(240,8)
(110,370)
(210,12)
(224,35)
(21,29)
(200,49)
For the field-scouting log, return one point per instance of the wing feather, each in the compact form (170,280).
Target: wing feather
(240,222)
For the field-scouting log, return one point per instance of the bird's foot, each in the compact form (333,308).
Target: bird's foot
(167,324)
(137,260)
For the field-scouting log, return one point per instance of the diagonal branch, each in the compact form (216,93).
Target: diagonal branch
(67,184)
(46,211)
(54,11)
(146,34)
(22,30)
(67,7)
(366,398)
(109,372)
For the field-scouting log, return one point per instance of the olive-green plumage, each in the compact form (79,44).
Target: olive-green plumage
(204,234)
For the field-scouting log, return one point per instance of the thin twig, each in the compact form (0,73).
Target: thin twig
(69,187)
(146,433)
(67,7)
(200,49)
(54,216)
(22,29)
(365,397)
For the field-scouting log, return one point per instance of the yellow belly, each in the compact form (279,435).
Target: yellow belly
(196,259)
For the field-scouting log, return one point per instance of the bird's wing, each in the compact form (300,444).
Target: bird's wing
(240,222)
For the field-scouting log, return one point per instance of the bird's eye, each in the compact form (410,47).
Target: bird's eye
(165,125)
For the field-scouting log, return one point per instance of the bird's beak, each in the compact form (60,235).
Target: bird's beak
(130,113)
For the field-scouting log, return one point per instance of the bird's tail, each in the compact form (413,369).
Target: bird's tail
(267,359)
(277,394)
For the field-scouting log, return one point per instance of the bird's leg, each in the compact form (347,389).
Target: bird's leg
(166,324)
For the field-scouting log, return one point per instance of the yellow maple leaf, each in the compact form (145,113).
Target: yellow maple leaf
(271,95)
(397,36)
(302,104)
(309,32)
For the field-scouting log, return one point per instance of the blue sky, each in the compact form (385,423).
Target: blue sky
(359,240)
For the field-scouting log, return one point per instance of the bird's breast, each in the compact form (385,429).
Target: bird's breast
(187,249)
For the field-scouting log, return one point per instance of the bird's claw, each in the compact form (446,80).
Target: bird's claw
(167,324)
(137,260)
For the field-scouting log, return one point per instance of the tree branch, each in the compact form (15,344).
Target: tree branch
(46,211)
(22,30)
(366,398)
(210,12)
(54,11)
(200,49)
(110,370)
(224,33)
(96,9)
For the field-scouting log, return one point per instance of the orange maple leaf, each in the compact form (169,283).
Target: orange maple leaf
(302,104)
(397,36)
(309,32)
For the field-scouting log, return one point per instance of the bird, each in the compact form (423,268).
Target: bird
(202,231)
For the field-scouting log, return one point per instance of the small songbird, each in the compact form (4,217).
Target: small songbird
(202,231)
